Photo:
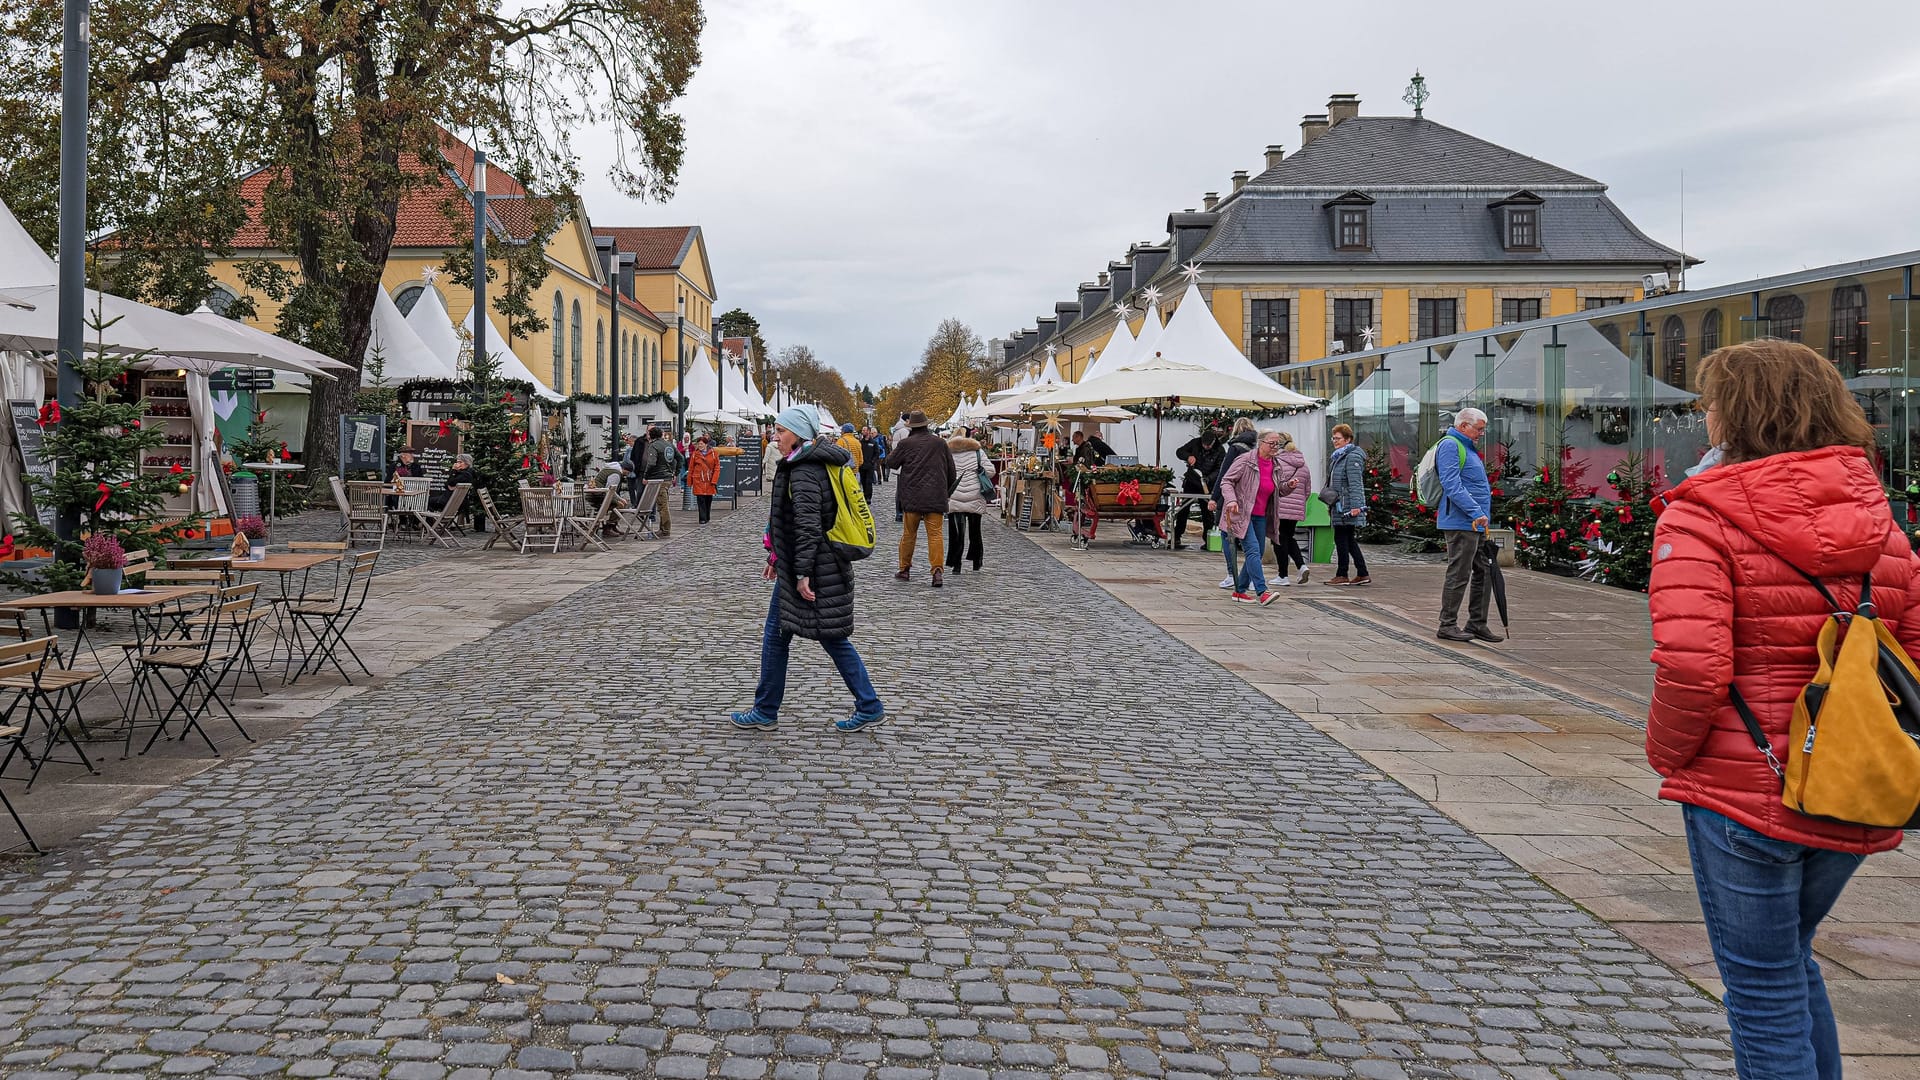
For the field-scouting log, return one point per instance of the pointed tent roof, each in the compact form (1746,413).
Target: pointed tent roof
(511,366)
(22,262)
(1193,336)
(405,356)
(1049,374)
(1117,354)
(738,400)
(429,319)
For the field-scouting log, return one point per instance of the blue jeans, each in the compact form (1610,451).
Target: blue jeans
(1230,547)
(774,646)
(1763,898)
(1254,570)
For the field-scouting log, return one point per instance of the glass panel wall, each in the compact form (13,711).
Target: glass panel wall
(1615,383)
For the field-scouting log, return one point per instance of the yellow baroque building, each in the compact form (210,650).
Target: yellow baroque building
(1380,230)
(658,268)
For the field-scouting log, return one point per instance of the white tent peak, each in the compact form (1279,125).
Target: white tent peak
(430,320)
(1050,373)
(404,356)
(1194,336)
(510,365)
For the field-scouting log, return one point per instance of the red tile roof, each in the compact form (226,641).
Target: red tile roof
(736,347)
(437,213)
(656,248)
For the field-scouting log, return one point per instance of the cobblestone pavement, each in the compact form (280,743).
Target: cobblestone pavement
(549,856)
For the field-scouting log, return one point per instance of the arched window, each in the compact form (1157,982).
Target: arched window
(1786,317)
(1848,329)
(599,357)
(559,329)
(220,299)
(579,352)
(1673,351)
(1709,332)
(408,296)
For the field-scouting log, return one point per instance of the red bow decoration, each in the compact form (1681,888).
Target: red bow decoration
(105,489)
(519,437)
(526,463)
(1592,531)
(175,469)
(506,398)
(1626,516)
(6,547)
(285,454)
(446,428)
(49,413)
(1129,493)
(260,417)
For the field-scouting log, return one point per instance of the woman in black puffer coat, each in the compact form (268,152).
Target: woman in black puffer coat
(813,594)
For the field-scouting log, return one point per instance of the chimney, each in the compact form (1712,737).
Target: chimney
(1101,280)
(1274,154)
(1342,107)
(1312,126)
(1239,180)
(1211,200)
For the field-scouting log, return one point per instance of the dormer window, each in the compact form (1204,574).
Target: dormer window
(1518,216)
(1349,217)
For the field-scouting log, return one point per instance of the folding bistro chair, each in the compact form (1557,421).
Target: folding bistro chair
(342,503)
(328,621)
(502,527)
(50,693)
(199,667)
(21,658)
(642,518)
(241,624)
(590,528)
(437,524)
(367,513)
(539,521)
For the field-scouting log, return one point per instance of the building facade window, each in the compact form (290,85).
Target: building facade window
(599,357)
(1271,337)
(1673,351)
(1519,309)
(559,328)
(578,352)
(1786,317)
(1595,303)
(1437,317)
(1349,318)
(1523,228)
(1353,228)
(220,300)
(1848,329)
(1709,332)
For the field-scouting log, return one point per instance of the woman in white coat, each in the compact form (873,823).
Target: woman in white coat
(968,502)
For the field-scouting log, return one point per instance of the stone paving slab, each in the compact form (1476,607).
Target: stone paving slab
(1575,804)
(546,855)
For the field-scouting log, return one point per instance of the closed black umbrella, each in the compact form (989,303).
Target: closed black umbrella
(1490,555)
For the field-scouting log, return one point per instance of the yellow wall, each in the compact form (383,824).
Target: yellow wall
(1393,316)
(1479,309)
(1229,312)
(1561,302)
(1312,330)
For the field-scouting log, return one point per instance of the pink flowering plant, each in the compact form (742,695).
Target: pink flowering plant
(253,527)
(102,552)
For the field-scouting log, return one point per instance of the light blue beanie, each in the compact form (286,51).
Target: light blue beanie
(802,420)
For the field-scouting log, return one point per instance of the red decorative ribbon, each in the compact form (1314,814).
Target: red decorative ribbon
(175,469)
(6,547)
(1129,493)
(446,428)
(519,437)
(105,490)
(49,413)
(285,454)
(506,398)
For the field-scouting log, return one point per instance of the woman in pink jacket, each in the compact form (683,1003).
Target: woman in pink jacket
(1247,495)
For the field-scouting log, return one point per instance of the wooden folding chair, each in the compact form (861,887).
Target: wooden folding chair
(500,526)
(199,667)
(539,521)
(342,503)
(50,692)
(643,518)
(330,620)
(436,524)
(367,513)
(589,528)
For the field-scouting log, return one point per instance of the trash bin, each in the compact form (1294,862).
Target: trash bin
(246,495)
(1319,520)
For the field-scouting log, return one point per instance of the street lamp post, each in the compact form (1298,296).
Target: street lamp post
(72,291)
(613,428)
(680,367)
(479,274)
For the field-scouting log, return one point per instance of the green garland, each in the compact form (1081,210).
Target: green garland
(671,401)
(1204,416)
(1119,474)
(463,389)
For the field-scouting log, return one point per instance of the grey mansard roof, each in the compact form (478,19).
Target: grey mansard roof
(1379,150)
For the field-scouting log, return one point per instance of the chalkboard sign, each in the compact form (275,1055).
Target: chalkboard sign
(433,451)
(363,444)
(33,459)
(747,471)
(727,488)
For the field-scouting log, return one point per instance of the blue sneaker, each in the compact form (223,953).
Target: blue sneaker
(859,722)
(752,719)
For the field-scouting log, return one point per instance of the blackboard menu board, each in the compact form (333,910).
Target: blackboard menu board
(33,459)
(747,474)
(433,451)
(726,488)
(363,444)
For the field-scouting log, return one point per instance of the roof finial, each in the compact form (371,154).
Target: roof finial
(1416,94)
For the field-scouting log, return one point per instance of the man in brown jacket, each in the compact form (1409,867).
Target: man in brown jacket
(927,476)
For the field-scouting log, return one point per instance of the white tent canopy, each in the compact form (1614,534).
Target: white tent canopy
(1194,336)
(429,320)
(1121,348)
(509,365)
(403,355)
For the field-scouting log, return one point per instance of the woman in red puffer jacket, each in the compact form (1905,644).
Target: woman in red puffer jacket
(1796,489)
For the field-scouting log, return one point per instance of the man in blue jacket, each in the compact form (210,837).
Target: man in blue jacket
(1466,505)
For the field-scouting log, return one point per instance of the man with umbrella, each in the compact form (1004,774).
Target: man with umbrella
(1466,506)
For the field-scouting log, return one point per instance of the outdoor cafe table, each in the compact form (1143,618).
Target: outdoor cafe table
(284,563)
(144,605)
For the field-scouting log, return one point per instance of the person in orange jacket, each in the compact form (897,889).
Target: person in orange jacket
(703,475)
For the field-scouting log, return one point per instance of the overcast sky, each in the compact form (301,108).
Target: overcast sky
(864,169)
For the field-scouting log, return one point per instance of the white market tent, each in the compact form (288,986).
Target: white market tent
(1121,347)
(510,366)
(1193,336)
(429,320)
(706,397)
(403,355)
(1161,381)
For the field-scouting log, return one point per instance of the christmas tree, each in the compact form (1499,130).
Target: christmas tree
(503,454)
(1617,540)
(98,447)
(263,443)
(1378,485)
(1552,514)
(379,396)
